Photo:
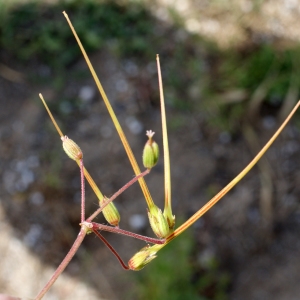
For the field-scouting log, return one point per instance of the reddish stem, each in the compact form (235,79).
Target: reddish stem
(85,228)
(64,263)
(97,226)
(115,195)
(110,247)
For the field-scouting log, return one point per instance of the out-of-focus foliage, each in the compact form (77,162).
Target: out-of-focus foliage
(265,70)
(197,76)
(37,30)
(194,280)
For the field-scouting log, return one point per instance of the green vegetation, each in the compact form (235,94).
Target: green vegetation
(192,280)
(38,31)
(197,76)
(263,68)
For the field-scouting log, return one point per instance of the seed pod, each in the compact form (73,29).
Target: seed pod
(150,152)
(71,148)
(158,222)
(142,258)
(111,214)
(170,220)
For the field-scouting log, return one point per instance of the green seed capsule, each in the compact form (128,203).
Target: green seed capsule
(150,152)
(142,258)
(111,214)
(71,148)
(158,222)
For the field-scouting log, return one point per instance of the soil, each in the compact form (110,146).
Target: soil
(253,231)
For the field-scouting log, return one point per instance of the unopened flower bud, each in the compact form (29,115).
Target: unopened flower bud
(151,151)
(142,258)
(71,148)
(111,214)
(158,222)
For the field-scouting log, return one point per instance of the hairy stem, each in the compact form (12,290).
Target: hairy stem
(97,226)
(64,263)
(111,248)
(114,196)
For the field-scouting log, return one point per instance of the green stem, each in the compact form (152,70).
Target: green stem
(114,119)
(115,195)
(228,187)
(167,168)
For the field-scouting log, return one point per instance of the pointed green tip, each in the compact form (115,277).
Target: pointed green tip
(142,258)
(71,148)
(150,152)
(111,214)
(158,222)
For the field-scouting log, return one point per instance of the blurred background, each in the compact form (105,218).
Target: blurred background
(231,75)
